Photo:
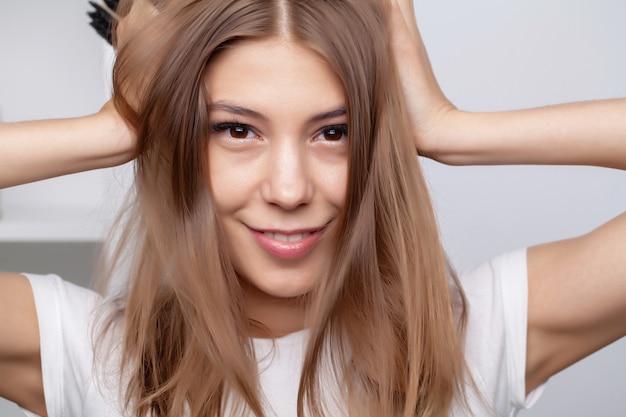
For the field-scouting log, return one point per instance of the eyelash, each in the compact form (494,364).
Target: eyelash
(227,126)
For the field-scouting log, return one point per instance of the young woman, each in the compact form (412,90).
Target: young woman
(281,254)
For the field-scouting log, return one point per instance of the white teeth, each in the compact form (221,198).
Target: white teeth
(282,238)
(287,238)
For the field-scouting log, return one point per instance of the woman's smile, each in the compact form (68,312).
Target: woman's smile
(288,244)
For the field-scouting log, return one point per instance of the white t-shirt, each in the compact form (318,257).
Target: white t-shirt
(495,348)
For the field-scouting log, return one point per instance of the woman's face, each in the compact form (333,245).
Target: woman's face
(278,158)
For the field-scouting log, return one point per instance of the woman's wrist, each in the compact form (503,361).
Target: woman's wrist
(117,140)
(100,140)
(440,139)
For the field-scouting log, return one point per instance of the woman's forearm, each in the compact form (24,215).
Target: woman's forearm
(585,133)
(36,150)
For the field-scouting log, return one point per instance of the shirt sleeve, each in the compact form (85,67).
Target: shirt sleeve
(64,312)
(497,295)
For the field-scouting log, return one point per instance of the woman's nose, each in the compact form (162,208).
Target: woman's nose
(289,182)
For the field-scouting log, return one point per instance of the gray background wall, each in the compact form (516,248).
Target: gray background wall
(487,54)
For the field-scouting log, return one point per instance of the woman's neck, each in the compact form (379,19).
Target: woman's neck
(276,316)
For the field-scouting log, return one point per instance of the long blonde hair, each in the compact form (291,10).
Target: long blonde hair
(382,312)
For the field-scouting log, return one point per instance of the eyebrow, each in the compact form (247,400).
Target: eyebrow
(244,111)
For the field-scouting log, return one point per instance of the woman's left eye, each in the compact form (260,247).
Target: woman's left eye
(235,130)
(334,133)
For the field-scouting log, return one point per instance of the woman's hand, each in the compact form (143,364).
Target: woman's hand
(427,105)
(132,41)
(139,14)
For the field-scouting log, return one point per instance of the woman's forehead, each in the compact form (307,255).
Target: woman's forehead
(274,76)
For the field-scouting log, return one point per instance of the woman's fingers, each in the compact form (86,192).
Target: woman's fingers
(139,14)
(424,99)
(407,11)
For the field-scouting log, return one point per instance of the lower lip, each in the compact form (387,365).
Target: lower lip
(287,250)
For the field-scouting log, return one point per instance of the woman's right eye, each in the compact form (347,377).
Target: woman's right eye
(235,130)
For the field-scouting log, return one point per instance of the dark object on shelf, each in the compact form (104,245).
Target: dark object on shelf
(102,18)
